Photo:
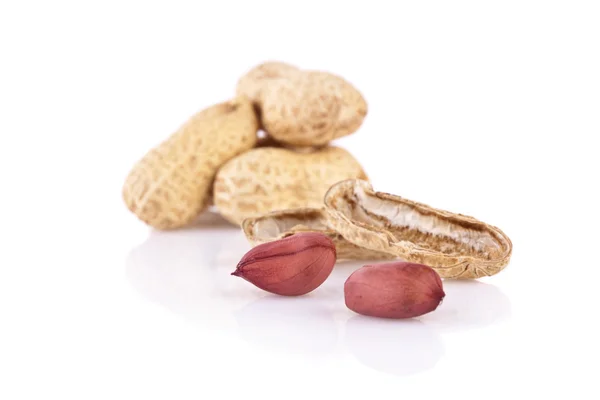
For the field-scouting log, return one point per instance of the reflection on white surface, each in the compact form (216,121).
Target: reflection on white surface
(301,325)
(188,272)
(469,304)
(392,346)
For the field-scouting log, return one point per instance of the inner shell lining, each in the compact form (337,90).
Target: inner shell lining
(405,223)
(269,228)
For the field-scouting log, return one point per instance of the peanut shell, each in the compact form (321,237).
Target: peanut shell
(303,107)
(455,245)
(171,184)
(269,179)
(252,83)
(280,224)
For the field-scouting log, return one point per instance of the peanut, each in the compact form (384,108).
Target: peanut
(303,107)
(292,266)
(268,179)
(393,290)
(171,184)
(455,245)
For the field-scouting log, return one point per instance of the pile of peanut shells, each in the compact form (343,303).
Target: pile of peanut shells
(290,185)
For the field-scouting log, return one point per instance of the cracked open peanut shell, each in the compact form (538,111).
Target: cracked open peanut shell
(455,245)
(283,223)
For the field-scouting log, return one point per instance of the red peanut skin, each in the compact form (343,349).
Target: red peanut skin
(393,290)
(292,266)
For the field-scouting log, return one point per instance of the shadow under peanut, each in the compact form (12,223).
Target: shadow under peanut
(469,305)
(396,347)
(300,325)
(187,270)
(210,219)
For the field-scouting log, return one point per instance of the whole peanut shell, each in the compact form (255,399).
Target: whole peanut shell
(455,245)
(393,290)
(303,107)
(281,224)
(251,84)
(172,183)
(269,179)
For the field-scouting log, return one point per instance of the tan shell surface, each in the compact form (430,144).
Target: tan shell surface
(251,84)
(269,179)
(280,224)
(303,107)
(455,245)
(172,183)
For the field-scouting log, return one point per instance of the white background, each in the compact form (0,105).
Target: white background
(490,109)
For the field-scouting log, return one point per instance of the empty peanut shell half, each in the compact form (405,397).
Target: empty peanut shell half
(280,224)
(455,245)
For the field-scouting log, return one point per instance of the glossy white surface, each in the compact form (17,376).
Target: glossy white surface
(485,109)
